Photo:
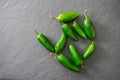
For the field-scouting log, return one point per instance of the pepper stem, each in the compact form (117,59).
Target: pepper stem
(55,54)
(85,13)
(75,21)
(83,66)
(62,23)
(51,53)
(53,17)
(36,32)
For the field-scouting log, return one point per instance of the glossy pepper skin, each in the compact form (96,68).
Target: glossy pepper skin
(45,42)
(66,17)
(69,32)
(61,43)
(66,62)
(76,57)
(88,26)
(89,51)
(78,30)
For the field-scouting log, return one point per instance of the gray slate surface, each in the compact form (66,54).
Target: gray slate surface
(23,58)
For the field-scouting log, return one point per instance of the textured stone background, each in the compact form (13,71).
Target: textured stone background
(23,58)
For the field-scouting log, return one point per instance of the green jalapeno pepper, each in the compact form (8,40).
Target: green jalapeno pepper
(88,26)
(66,16)
(61,43)
(69,32)
(67,62)
(89,51)
(76,57)
(45,42)
(78,30)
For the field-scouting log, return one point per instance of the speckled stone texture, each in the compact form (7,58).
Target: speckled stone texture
(23,58)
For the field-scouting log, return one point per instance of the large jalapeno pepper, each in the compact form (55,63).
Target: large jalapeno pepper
(78,30)
(89,51)
(45,42)
(69,32)
(66,62)
(76,57)
(66,16)
(61,43)
(88,26)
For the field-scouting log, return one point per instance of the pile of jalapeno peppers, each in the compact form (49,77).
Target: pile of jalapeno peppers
(85,31)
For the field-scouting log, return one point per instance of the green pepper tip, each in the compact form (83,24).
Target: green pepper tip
(55,56)
(83,66)
(78,70)
(53,17)
(92,42)
(36,32)
(70,45)
(75,21)
(62,23)
(51,53)
(85,13)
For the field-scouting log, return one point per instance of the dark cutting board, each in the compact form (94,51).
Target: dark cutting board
(23,58)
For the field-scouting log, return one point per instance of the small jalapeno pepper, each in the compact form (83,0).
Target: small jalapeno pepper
(66,16)
(69,32)
(61,43)
(76,57)
(45,42)
(67,62)
(78,30)
(89,51)
(88,26)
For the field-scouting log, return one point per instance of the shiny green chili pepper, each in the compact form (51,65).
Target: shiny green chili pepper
(88,26)
(67,62)
(45,42)
(78,29)
(66,16)
(76,57)
(69,32)
(89,51)
(61,43)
